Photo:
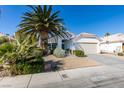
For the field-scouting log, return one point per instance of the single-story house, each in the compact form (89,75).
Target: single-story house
(91,43)
(61,42)
(112,44)
(84,41)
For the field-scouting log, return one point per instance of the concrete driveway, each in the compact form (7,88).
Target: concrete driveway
(109,74)
(111,61)
(106,59)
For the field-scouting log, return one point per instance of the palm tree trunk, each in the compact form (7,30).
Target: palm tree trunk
(43,41)
(40,42)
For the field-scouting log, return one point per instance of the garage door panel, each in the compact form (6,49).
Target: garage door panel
(89,48)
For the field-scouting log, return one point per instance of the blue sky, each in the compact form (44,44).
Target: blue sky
(91,19)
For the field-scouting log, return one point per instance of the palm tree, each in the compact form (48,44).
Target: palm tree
(107,34)
(42,22)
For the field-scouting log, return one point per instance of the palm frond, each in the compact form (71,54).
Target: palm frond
(40,21)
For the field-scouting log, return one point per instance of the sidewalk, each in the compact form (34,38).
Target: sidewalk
(25,81)
(80,77)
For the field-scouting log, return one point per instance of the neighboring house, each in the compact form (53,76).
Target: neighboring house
(113,43)
(10,38)
(1,34)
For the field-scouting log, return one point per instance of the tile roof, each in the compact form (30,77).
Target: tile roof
(86,35)
(119,37)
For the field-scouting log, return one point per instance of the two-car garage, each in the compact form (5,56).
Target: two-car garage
(89,48)
(87,42)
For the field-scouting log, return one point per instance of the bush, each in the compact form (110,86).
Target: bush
(68,51)
(27,61)
(5,47)
(28,67)
(120,54)
(58,52)
(79,53)
(21,58)
(37,52)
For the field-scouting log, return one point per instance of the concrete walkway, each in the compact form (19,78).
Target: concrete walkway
(109,74)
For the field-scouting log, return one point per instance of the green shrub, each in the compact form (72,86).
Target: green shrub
(58,52)
(5,47)
(20,68)
(26,68)
(1,62)
(22,58)
(37,52)
(25,61)
(68,51)
(120,54)
(79,53)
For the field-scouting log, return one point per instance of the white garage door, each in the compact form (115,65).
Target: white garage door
(89,48)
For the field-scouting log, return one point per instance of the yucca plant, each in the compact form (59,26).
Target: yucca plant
(21,57)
